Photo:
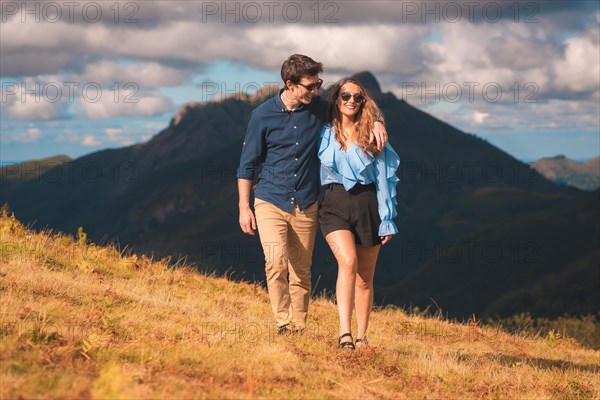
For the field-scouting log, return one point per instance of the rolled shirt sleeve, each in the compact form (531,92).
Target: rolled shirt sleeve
(253,150)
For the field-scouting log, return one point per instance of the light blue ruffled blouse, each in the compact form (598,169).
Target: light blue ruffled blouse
(354,166)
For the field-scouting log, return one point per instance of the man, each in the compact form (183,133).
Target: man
(281,146)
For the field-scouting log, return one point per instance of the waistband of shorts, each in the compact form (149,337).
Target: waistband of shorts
(358,188)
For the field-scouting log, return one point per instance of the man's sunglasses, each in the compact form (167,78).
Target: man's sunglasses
(358,98)
(312,86)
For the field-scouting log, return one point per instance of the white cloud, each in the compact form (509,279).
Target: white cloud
(186,41)
(579,71)
(28,136)
(33,134)
(479,117)
(90,141)
(503,118)
(34,110)
(507,53)
(344,48)
(179,40)
(34,48)
(545,86)
(127,103)
(40,98)
(148,74)
(122,136)
(484,53)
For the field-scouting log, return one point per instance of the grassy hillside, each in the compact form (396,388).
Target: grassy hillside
(85,321)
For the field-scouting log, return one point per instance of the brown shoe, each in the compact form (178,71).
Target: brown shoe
(283,330)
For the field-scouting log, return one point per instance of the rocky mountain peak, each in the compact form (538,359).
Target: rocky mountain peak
(369,81)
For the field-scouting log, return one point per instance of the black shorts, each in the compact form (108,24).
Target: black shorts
(354,210)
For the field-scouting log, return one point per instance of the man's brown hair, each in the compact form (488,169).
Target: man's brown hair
(298,66)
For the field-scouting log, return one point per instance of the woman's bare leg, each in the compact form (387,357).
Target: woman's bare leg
(344,249)
(367,258)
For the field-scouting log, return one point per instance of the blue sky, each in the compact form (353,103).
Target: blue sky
(80,77)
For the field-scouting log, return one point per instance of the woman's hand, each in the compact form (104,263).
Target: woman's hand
(385,239)
(379,135)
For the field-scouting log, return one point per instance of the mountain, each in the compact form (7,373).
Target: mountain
(15,173)
(564,171)
(524,263)
(594,164)
(176,195)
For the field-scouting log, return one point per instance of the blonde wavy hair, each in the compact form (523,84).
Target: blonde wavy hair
(364,118)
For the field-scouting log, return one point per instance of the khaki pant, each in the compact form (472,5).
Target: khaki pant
(288,241)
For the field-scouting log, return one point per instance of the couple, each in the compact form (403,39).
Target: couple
(291,139)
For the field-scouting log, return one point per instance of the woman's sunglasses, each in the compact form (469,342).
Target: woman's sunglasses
(358,98)
(312,86)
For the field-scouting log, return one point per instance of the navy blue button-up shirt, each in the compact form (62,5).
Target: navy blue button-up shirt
(282,147)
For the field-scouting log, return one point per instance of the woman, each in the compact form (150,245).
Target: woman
(359,203)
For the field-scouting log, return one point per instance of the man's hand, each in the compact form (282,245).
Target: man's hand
(379,135)
(247,221)
(386,239)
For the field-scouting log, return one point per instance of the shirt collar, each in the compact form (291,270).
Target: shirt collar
(281,106)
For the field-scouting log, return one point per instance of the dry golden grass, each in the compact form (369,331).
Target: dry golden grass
(84,321)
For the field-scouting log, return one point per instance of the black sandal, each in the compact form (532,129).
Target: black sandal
(346,345)
(362,343)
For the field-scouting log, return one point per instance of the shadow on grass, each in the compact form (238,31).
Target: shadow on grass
(542,363)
